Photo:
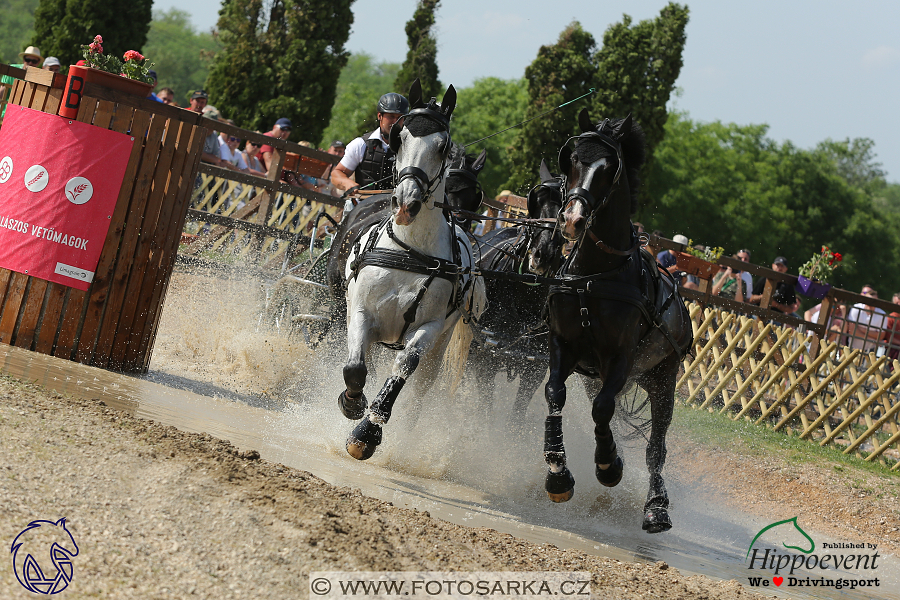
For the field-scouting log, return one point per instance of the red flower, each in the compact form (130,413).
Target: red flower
(133,55)
(838,257)
(98,39)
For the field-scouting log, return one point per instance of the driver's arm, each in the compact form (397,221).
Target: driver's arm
(340,177)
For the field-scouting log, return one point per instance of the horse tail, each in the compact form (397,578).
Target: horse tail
(457,352)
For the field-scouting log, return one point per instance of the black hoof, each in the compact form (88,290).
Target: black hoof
(613,475)
(352,408)
(560,486)
(364,440)
(656,520)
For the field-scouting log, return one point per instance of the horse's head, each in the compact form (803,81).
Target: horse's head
(462,187)
(422,145)
(30,551)
(544,202)
(601,172)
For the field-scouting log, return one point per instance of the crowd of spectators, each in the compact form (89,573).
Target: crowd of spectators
(863,326)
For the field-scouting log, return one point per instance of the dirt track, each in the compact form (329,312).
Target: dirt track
(159,513)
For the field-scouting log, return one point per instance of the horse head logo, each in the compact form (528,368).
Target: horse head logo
(44,537)
(796,527)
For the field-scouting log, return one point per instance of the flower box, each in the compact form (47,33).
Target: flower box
(79,76)
(695,266)
(812,288)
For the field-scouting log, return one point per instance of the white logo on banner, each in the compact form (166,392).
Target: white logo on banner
(6,169)
(79,190)
(73,272)
(36,178)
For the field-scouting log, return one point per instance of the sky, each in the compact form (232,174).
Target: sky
(811,70)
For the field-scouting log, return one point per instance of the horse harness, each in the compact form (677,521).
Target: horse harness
(413,261)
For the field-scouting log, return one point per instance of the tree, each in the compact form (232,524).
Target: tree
(280,58)
(636,71)
(488,106)
(361,84)
(181,55)
(731,186)
(855,162)
(560,73)
(16,28)
(421,58)
(63,26)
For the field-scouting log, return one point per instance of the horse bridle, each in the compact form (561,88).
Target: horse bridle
(419,177)
(582,194)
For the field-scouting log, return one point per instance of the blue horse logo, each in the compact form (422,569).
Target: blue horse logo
(62,548)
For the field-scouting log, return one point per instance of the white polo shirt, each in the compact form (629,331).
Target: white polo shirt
(356,151)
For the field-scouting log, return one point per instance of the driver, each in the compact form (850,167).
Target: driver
(370,156)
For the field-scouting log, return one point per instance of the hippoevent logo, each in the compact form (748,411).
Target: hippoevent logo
(806,567)
(36,178)
(79,190)
(6,169)
(36,548)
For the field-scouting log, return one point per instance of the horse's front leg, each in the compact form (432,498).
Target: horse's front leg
(610,465)
(366,437)
(660,386)
(352,401)
(560,484)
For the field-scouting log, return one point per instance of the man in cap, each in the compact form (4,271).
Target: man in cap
(51,63)
(281,131)
(336,149)
(199,99)
(779,264)
(152,95)
(667,258)
(370,157)
(211,144)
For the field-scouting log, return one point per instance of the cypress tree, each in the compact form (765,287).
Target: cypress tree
(62,26)
(560,73)
(421,58)
(637,69)
(280,58)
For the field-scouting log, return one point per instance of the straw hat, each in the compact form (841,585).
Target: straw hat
(32,51)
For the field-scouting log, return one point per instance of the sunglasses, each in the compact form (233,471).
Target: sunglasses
(249,143)
(234,139)
(31,61)
(869,293)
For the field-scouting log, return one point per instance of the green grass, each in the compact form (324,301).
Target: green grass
(745,437)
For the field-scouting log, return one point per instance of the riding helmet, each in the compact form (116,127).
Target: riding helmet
(393,102)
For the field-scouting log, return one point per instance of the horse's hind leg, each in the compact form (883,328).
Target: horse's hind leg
(352,401)
(660,386)
(529,380)
(610,465)
(366,436)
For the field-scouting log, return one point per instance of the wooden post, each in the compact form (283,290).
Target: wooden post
(111,324)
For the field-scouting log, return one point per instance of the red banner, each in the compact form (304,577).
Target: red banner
(59,182)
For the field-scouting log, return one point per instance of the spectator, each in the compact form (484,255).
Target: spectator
(31,57)
(725,284)
(336,149)
(51,63)
(152,75)
(865,325)
(667,258)
(835,320)
(223,137)
(638,227)
(251,149)
(211,144)
(282,131)
(892,331)
(744,255)
(229,153)
(780,265)
(167,96)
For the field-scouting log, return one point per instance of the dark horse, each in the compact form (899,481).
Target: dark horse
(613,317)
(514,336)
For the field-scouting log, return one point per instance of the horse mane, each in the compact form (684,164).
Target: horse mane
(458,159)
(421,125)
(634,144)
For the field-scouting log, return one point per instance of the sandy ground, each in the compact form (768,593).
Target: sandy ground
(160,513)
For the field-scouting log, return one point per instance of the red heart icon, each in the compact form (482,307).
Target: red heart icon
(778,580)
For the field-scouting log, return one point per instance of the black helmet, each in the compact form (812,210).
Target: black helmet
(393,102)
